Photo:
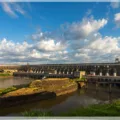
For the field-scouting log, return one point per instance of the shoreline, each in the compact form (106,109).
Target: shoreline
(9,76)
(94,110)
(31,93)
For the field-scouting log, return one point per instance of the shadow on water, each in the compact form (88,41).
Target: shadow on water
(42,105)
(103,92)
(82,97)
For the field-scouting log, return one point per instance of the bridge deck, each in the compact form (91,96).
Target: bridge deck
(102,77)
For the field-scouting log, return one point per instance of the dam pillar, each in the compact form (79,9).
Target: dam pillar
(55,71)
(100,74)
(114,72)
(94,73)
(107,73)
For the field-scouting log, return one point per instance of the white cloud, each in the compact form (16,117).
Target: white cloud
(106,44)
(37,36)
(100,50)
(8,47)
(80,30)
(88,12)
(71,32)
(12,8)
(85,45)
(18,8)
(37,54)
(117,19)
(115,4)
(24,52)
(49,45)
(7,8)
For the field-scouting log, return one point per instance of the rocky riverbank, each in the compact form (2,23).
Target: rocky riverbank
(38,90)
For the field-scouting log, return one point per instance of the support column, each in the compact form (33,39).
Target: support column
(55,71)
(110,87)
(107,73)
(96,85)
(100,73)
(114,72)
(94,73)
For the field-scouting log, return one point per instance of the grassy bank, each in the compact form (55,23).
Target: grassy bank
(112,109)
(13,88)
(36,90)
(3,75)
(56,85)
(79,79)
(7,90)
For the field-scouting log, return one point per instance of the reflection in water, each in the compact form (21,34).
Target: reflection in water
(8,82)
(82,97)
(42,105)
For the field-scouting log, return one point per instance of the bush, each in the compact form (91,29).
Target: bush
(4,74)
(4,91)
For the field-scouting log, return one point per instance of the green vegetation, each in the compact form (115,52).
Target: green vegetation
(96,110)
(83,79)
(13,88)
(37,113)
(80,79)
(38,86)
(112,109)
(4,74)
(6,90)
(21,86)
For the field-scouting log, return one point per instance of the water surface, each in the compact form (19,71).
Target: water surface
(10,81)
(64,103)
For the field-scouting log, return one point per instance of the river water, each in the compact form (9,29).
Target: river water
(8,82)
(82,97)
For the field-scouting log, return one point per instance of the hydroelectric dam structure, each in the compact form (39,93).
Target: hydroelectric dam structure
(68,70)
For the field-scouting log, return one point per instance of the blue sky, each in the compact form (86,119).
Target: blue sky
(47,16)
(47,32)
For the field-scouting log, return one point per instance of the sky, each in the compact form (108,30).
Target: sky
(59,32)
